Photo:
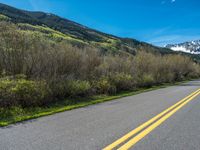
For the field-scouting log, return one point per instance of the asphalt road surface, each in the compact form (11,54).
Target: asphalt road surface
(97,126)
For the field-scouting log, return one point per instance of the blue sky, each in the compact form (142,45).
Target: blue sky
(155,21)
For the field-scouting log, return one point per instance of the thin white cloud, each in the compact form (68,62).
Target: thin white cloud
(165,39)
(173,1)
(39,5)
(163,2)
(171,39)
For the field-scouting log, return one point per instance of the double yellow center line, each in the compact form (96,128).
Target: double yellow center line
(131,138)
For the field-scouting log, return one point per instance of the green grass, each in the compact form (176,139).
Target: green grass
(48,32)
(17,114)
(4,18)
(109,43)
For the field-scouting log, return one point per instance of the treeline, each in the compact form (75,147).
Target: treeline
(36,71)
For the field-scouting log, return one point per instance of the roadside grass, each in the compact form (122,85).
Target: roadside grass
(18,114)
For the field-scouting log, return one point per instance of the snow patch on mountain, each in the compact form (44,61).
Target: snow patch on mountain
(192,47)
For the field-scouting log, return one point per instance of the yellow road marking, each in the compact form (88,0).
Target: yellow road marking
(133,132)
(141,135)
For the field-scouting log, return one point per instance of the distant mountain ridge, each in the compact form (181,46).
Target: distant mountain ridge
(192,47)
(77,31)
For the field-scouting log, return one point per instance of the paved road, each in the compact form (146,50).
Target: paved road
(96,126)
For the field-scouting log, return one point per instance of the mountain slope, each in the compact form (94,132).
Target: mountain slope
(78,32)
(192,47)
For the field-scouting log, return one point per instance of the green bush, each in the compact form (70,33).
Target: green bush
(104,86)
(70,88)
(78,88)
(147,80)
(122,81)
(6,96)
(58,88)
(23,92)
(30,93)
(168,77)
(13,111)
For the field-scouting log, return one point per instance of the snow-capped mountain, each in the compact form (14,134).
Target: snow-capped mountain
(192,47)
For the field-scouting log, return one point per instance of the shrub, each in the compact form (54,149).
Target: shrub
(63,88)
(23,92)
(6,97)
(104,86)
(78,88)
(30,93)
(5,113)
(146,81)
(122,81)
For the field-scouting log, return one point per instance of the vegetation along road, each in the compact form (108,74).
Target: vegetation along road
(165,119)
